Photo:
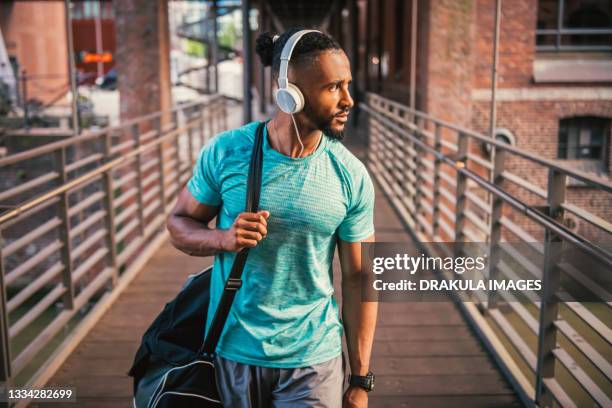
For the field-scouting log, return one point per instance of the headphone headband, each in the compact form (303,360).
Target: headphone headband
(286,56)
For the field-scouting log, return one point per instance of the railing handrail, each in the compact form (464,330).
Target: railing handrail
(526,209)
(124,188)
(418,169)
(89,135)
(576,174)
(15,211)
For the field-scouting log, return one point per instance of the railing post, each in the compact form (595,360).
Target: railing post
(418,121)
(405,144)
(549,306)
(5,343)
(460,198)
(495,227)
(190,135)
(202,130)
(211,130)
(66,251)
(176,143)
(215,120)
(373,143)
(175,119)
(436,183)
(110,211)
(135,129)
(24,99)
(160,156)
(224,111)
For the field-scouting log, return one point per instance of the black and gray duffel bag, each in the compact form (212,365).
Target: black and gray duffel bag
(172,367)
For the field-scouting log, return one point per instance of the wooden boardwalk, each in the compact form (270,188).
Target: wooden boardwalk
(424,354)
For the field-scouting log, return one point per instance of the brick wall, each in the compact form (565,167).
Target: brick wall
(449,59)
(535,124)
(516,43)
(459,58)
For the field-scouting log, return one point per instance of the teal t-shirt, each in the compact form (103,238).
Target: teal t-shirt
(285,314)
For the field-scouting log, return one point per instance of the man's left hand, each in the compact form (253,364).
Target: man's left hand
(355,397)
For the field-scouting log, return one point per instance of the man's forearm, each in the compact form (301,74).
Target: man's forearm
(193,237)
(359,319)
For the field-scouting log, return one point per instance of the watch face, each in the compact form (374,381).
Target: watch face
(370,381)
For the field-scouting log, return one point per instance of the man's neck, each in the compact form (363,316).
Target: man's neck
(284,138)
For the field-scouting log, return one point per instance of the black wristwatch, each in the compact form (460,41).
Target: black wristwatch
(363,381)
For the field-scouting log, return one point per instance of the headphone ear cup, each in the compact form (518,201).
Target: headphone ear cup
(297,96)
(290,99)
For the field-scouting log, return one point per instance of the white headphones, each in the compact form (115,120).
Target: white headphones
(289,98)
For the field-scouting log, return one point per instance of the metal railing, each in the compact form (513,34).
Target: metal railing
(555,349)
(74,233)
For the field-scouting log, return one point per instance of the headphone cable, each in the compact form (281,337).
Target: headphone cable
(298,136)
(297,132)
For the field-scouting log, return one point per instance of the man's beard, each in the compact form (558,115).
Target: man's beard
(325,125)
(334,134)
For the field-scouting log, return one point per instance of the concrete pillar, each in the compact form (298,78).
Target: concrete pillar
(143,59)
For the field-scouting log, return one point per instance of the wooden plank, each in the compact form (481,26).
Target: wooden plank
(421,319)
(91,402)
(401,366)
(102,349)
(440,385)
(106,367)
(471,401)
(427,348)
(95,386)
(431,332)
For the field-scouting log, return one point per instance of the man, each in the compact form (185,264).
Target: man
(282,342)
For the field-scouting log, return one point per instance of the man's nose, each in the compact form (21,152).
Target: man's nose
(346,102)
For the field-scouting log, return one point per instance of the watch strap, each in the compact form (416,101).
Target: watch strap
(363,381)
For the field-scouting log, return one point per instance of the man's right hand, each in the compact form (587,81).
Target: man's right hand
(246,231)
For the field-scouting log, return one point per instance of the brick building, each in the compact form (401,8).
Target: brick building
(554,84)
(35,38)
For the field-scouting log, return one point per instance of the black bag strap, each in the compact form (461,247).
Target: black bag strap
(234,281)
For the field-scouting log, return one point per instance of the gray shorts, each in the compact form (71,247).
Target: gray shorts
(247,386)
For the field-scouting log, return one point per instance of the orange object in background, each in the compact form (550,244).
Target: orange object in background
(88,57)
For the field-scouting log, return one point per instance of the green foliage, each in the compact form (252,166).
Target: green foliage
(194,48)
(228,35)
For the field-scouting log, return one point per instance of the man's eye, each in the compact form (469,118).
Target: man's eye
(333,87)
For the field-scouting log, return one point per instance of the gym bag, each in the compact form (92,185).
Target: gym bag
(172,367)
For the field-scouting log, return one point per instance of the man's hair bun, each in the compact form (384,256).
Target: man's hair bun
(264,46)
(269,47)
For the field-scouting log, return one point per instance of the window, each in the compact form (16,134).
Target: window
(107,9)
(502,135)
(584,139)
(89,9)
(574,25)
(76,11)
